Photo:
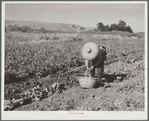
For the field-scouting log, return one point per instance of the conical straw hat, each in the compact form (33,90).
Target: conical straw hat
(90,51)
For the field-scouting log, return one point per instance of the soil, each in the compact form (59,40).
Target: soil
(121,89)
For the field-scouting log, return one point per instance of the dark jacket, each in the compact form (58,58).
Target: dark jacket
(98,62)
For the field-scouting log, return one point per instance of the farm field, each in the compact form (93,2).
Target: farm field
(34,64)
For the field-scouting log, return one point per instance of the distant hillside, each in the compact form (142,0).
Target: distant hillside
(47,26)
(90,28)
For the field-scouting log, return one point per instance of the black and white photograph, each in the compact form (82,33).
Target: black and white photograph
(74,60)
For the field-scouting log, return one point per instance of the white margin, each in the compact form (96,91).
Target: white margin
(146,59)
(80,2)
(2,55)
(88,115)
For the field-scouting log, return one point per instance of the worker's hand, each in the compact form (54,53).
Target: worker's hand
(91,68)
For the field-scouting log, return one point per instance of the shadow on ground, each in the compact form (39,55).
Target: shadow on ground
(110,78)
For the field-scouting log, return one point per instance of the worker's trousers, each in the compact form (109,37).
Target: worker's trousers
(97,72)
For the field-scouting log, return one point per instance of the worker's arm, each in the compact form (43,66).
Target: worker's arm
(88,65)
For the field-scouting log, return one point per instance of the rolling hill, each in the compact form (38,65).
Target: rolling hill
(48,26)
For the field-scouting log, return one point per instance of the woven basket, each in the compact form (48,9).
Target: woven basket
(88,82)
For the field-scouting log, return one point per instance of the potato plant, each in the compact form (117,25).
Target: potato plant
(35,60)
(29,62)
(39,60)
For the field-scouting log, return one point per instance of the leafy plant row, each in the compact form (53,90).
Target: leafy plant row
(38,60)
(41,59)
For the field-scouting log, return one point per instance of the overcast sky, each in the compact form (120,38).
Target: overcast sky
(87,15)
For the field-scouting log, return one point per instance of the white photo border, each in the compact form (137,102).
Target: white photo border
(64,115)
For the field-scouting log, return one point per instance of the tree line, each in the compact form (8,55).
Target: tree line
(121,26)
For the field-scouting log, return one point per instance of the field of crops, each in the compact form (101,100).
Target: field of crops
(38,59)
